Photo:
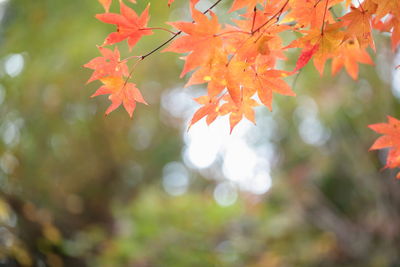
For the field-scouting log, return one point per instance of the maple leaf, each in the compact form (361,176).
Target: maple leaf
(320,45)
(270,82)
(237,111)
(209,109)
(250,4)
(236,76)
(305,56)
(247,45)
(310,13)
(107,65)
(358,22)
(213,71)
(348,55)
(120,93)
(200,40)
(130,26)
(390,139)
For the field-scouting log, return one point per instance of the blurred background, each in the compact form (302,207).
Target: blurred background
(79,189)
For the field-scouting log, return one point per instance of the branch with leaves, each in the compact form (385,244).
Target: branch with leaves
(238,61)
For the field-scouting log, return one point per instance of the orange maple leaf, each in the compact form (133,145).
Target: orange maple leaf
(120,93)
(247,45)
(349,54)
(390,139)
(249,4)
(209,109)
(212,72)
(358,22)
(200,41)
(130,26)
(237,111)
(310,13)
(269,81)
(107,65)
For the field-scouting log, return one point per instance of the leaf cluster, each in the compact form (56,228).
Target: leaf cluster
(238,62)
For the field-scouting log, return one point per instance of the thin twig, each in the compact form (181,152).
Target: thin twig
(157,28)
(295,79)
(254,18)
(277,14)
(131,72)
(175,35)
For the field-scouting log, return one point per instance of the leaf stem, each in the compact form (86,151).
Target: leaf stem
(128,58)
(131,72)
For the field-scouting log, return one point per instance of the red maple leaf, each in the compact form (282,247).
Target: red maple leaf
(305,56)
(130,26)
(107,65)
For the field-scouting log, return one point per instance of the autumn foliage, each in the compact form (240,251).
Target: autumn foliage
(238,61)
(390,139)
